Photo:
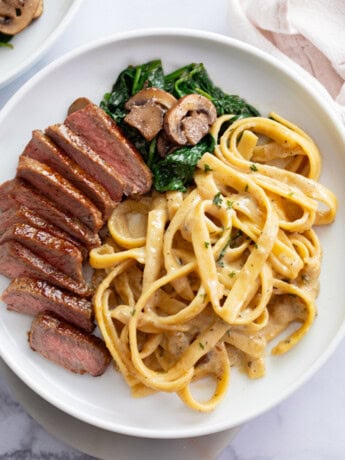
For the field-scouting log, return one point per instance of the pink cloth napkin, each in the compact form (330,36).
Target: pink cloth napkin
(308,34)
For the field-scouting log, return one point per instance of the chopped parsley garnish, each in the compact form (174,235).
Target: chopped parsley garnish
(217,199)
(207,168)
(206,244)
(229,204)
(253,167)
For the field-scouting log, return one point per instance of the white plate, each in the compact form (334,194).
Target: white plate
(34,41)
(102,443)
(105,402)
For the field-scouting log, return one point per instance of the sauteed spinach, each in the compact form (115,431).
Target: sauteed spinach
(4,40)
(175,171)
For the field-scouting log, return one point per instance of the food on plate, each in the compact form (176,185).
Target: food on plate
(18,260)
(100,132)
(17,192)
(58,189)
(209,252)
(60,253)
(43,149)
(15,16)
(174,171)
(202,277)
(32,296)
(24,215)
(68,346)
(52,212)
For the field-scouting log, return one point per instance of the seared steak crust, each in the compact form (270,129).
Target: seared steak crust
(105,137)
(60,190)
(24,194)
(87,159)
(43,149)
(17,261)
(33,296)
(59,253)
(24,215)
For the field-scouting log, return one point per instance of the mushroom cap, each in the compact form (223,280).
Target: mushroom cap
(189,119)
(146,118)
(147,109)
(78,104)
(157,95)
(15,15)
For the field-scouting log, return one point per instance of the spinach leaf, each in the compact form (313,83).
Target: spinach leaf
(176,170)
(4,40)
(130,81)
(194,78)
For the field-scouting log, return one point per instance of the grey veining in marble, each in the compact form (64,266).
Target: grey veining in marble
(21,438)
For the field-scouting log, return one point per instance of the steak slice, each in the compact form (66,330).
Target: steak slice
(59,253)
(6,201)
(16,260)
(59,190)
(105,137)
(43,149)
(68,346)
(24,215)
(33,296)
(18,191)
(88,159)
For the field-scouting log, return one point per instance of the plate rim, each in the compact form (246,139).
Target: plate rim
(39,53)
(322,100)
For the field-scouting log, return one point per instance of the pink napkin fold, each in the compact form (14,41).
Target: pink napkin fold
(307,34)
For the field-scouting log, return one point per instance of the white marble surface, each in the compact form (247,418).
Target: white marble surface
(307,426)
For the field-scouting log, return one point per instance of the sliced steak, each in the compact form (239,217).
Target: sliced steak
(88,159)
(59,190)
(43,149)
(21,192)
(68,346)
(59,253)
(6,201)
(106,138)
(24,215)
(16,260)
(33,296)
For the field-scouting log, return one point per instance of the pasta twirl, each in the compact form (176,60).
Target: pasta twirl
(199,281)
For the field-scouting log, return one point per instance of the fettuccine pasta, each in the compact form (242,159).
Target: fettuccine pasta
(193,283)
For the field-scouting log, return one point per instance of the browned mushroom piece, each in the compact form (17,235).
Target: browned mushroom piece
(39,10)
(15,15)
(147,109)
(189,120)
(78,104)
(164,145)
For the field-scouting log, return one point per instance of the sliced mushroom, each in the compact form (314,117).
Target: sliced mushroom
(164,145)
(78,104)
(189,120)
(39,10)
(15,15)
(147,109)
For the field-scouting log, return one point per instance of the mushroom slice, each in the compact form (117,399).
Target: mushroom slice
(78,104)
(147,109)
(15,15)
(39,10)
(189,119)
(164,144)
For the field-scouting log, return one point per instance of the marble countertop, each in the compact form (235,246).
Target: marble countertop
(306,426)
